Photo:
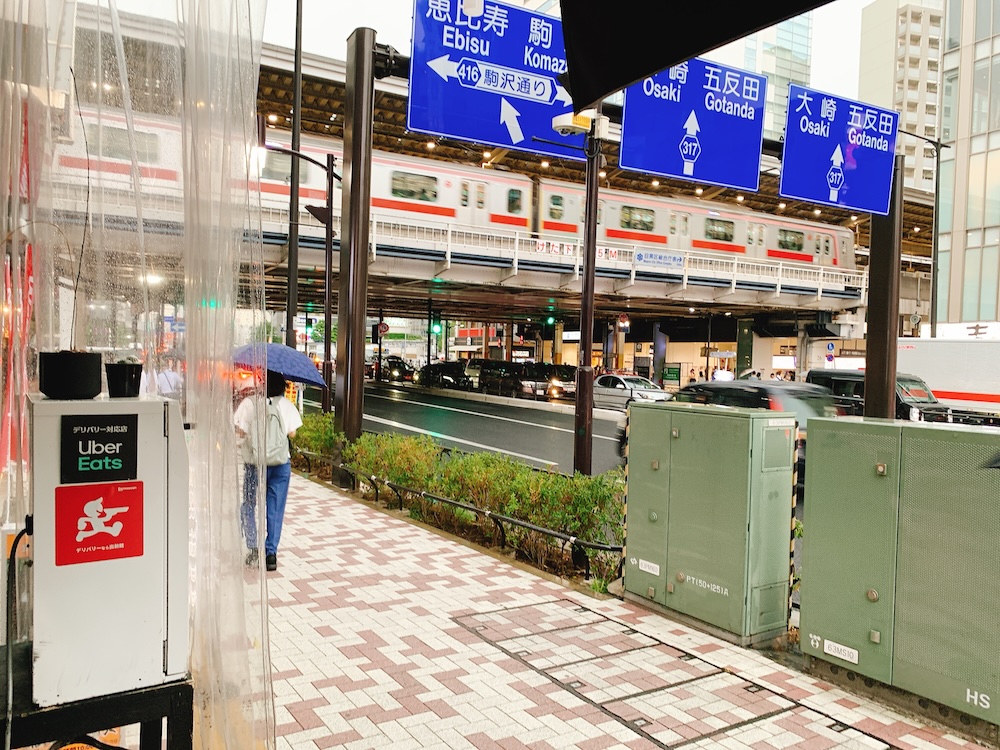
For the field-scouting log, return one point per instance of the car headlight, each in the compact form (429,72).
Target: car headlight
(914,414)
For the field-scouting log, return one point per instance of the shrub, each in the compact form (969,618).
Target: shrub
(317,435)
(402,459)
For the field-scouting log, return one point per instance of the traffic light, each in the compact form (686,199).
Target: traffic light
(436,323)
(310,322)
(550,320)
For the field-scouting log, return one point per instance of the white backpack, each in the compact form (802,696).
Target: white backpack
(276,451)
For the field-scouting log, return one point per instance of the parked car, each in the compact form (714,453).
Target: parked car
(914,399)
(443,375)
(472,368)
(805,400)
(397,369)
(618,391)
(501,377)
(547,380)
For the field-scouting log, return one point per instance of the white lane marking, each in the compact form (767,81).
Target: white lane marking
(485,416)
(442,436)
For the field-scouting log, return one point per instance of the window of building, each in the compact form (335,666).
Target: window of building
(637,218)
(975,195)
(928,174)
(971,283)
(555,207)
(953,28)
(994,122)
(949,104)
(988,283)
(908,173)
(514,201)
(991,216)
(947,195)
(944,275)
(983,20)
(933,43)
(719,229)
(418,187)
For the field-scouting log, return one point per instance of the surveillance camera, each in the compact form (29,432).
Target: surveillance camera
(571,124)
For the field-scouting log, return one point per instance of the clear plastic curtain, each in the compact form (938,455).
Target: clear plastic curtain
(129,227)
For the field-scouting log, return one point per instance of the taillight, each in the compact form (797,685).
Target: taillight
(774,403)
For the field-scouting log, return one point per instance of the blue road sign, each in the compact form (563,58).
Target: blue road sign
(838,152)
(697,121)
(489,78)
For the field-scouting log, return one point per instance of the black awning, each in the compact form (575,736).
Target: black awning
(611,45)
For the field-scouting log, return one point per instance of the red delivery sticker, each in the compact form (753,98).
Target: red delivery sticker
(98,522)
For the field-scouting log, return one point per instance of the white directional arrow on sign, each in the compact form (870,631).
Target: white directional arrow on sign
(562,95)
(691,124)
(508,117)
(835,177)
(444,67)
(690,147)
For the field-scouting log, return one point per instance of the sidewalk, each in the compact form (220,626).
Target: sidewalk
(386,635)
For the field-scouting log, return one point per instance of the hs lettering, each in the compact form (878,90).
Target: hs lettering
(982,700)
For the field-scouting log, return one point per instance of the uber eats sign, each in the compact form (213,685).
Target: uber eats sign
(98,448)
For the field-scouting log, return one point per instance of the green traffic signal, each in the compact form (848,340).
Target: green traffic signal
(550,320)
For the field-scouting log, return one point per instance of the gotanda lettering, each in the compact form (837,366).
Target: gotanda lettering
(861,138)
(549,63)
(727,106)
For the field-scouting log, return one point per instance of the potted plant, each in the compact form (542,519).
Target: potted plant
(124,377)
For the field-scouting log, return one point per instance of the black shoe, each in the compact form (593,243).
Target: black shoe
(252,559)
(271,562)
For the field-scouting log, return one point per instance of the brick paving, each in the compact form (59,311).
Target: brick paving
(386,635)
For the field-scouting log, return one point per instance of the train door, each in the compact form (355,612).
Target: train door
(755,240)
(473,208)
(680,230)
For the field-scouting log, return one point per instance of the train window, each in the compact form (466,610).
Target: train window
(418,187)
(600,213)
(513,201)
(480,195)
(751,234)
(555,207)
(790,240)
(719,229)
(760,235)
(637,218)
(673,223)
(684,224)
(465,194)
(826,246)
(112,143)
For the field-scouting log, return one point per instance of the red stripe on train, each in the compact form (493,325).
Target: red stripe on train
(419,208)
(725,246)
(304,192)
(621,234)
(100,165)
(790,255)
(517,221)
(559,226)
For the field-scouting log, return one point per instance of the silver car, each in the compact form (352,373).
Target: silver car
(618,391)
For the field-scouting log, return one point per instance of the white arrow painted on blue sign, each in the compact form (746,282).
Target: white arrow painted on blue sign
(508,117)
(690,147)
(484,75)
(444,67)
(835,177)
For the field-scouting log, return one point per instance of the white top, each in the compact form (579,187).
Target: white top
(290,416)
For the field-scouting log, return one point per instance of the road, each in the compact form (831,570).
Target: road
(539,437)
(536,436)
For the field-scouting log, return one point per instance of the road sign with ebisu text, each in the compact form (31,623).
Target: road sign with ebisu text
(489,78)
(837,151)
(697,121)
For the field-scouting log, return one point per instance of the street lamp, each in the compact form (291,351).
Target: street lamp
(323,214)
(938,145)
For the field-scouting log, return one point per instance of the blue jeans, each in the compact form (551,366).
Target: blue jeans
(277,496)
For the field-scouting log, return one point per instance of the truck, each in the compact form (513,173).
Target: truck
(962,373)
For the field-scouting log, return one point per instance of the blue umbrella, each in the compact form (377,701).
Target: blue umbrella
(290,363)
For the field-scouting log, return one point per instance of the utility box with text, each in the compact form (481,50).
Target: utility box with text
(901,573)
(708,515)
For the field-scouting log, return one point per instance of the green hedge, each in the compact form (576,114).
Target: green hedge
(589,508)
(317,435)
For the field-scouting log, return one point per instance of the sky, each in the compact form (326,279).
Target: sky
(327,24)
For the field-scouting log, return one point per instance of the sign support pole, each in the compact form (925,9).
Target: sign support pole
(353,298)
(583,442)
(292,305)
(883,303)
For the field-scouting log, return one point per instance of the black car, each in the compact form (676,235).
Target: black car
(502,378)
(443,375)
(805,400)
(397,369)
(914,399)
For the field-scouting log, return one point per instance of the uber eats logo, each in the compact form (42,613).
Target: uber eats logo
(98,448)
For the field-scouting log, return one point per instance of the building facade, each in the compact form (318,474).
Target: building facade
(900,69)
(969,220)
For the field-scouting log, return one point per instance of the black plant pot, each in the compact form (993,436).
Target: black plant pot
(123,379)
(68,375)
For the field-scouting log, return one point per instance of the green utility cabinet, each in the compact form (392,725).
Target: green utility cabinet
(901,557)
(708,515)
